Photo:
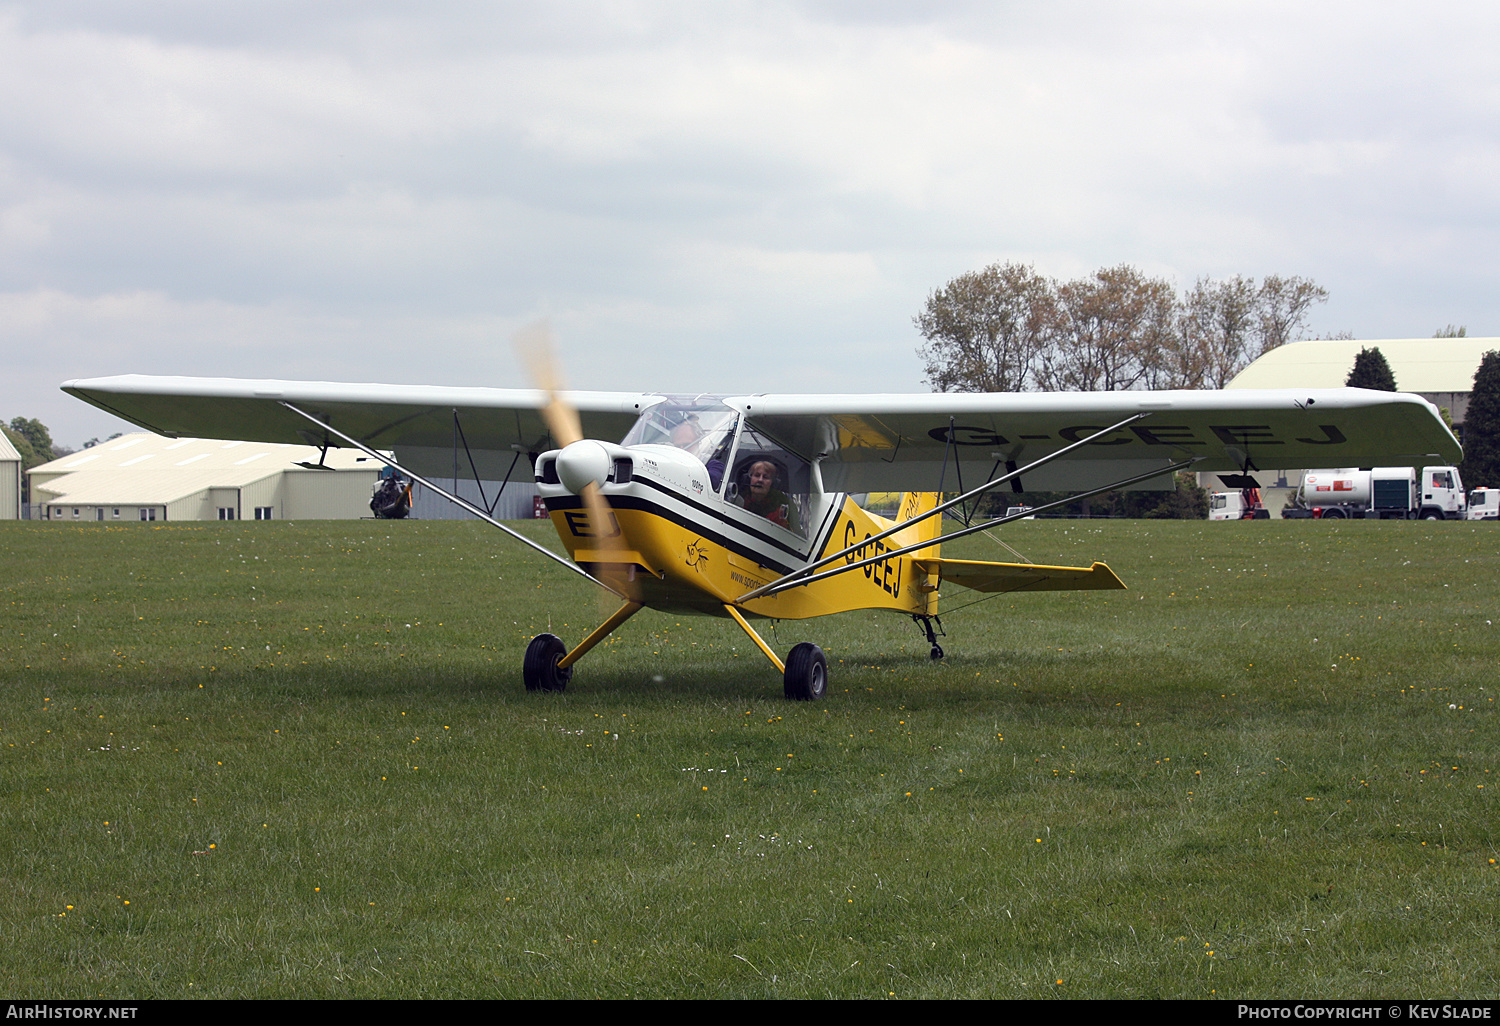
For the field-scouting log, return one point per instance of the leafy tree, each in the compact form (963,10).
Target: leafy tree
(1371,371)
(1223,325)
(986,330)
(1188,502)
(35,432)
(1282,307)
(1185,501)
(23,446)
(1112,328)
(1218,321)
(1481,465)
(34,442)
(1008,328)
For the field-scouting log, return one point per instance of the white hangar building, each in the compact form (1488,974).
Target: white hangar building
(10,480)
(142,476)
(1440,370)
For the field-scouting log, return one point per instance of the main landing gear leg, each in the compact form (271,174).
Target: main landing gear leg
(805,672)
(926,622)
(547,668)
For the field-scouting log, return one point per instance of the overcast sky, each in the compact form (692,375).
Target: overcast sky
(731,197)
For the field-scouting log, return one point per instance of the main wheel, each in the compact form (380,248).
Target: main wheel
(806,676)
(1432,515)
(540,668)
(937,652)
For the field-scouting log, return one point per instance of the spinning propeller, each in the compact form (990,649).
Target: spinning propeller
(584,464)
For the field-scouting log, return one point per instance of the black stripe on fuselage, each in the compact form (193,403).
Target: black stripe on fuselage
(817,542)
(571,502)
(709,511)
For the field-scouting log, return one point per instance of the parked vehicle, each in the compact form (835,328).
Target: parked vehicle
(1484,504)
(392,498)
(1242,504)
(1380,493)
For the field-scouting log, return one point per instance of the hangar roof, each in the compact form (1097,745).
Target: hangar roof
(146,469)
(1419,364)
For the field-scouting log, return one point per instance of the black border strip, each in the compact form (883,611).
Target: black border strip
(708,511)
(571,502)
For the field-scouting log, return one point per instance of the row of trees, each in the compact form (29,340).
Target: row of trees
(1007,328)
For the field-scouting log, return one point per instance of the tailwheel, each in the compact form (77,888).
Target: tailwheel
(806,676)
(540,668)
(926,623)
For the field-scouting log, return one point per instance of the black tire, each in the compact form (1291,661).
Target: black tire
(540,668)
(936,653)
(1431,514)
(1332,514)
(806,676)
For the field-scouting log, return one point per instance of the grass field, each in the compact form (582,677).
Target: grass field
(296,760)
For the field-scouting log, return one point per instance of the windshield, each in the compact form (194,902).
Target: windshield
(703,426)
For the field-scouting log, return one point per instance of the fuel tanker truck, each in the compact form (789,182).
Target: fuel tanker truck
(1380,493)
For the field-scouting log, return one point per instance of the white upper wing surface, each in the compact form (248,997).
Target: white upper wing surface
(862,442)
(417,421)
(901,442)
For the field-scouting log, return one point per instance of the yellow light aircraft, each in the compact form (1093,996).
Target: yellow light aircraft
(739,506)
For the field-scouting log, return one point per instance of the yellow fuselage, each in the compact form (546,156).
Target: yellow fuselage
(670,552)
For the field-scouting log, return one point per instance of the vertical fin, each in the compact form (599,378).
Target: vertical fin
(924,590)
(915,504)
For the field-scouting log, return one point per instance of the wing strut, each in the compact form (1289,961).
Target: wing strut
(461,503)
(783,583)
(459,436)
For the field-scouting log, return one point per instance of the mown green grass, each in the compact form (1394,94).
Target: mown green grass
(295,759)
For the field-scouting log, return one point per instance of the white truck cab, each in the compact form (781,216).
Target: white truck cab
(1484,504)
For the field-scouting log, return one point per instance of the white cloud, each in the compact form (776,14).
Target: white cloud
(759,195)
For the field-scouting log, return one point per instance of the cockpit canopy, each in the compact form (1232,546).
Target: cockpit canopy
(745,468)
(701,425)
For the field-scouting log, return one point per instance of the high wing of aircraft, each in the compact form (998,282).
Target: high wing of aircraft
(739,506)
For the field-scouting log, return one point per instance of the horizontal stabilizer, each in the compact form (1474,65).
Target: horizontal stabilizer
(982,576)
